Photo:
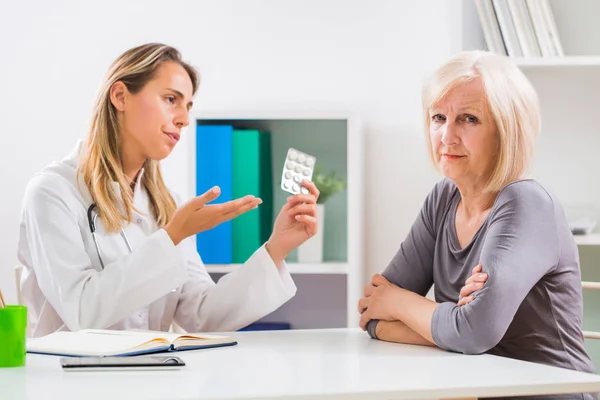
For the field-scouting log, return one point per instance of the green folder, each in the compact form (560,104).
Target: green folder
(251,162)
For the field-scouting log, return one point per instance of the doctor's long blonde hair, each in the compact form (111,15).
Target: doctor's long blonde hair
(100,163)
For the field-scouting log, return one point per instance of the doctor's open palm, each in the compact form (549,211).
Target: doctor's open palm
(197,216)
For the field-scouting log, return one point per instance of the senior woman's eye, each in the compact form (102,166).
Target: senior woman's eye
(471,119)
(438,118)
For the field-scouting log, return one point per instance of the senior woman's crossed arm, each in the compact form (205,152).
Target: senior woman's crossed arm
(519,248)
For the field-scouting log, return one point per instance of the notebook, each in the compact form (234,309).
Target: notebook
(104,343)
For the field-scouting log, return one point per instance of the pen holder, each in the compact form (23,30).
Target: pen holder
(13,336)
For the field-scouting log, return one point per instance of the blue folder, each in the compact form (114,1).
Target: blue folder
(214,168)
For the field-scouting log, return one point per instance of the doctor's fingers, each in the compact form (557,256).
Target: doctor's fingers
(310,223)
(301,198)
(312,188)
(235,208)
(208,196)
(239,204)
(307,209)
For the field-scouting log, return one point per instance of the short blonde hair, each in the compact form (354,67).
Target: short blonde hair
(511,100)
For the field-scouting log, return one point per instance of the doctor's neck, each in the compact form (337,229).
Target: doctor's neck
(132,162)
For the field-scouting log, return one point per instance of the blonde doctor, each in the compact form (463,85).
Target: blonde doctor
(103,242)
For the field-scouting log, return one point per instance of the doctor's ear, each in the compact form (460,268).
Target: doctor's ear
(118,95)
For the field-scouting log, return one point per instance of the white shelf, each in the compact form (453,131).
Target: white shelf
(588,240)
(567,61)
(337,285)
(294,268)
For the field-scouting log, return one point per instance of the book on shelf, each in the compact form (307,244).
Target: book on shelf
(519,28)
(251,174)
(524,28)
(213,168)
(239,161)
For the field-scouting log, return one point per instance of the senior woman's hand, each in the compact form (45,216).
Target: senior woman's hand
(379,301)
(473,284)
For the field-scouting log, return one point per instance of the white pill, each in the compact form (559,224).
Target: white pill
(292,155)
(295,188)
(289,165)
(286,185)
(304,190)
(306,172)
(288,175)
(301,158)
(297,178)
(298,169)
(310,161)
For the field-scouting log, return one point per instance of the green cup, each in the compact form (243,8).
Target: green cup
(13,336)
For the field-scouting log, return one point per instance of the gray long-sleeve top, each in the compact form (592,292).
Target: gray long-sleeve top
(531,306)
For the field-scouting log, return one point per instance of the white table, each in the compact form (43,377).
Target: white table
(301,364)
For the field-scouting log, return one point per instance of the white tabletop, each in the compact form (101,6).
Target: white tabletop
(300,364)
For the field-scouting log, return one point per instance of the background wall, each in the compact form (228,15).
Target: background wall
(368,57)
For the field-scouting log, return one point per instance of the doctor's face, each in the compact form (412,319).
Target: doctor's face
(152,119)
(463,135)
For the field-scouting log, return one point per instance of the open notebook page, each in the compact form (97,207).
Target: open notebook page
(93,344)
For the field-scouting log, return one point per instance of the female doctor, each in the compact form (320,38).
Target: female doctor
(105,245)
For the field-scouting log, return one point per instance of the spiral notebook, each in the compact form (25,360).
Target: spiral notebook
(105,343)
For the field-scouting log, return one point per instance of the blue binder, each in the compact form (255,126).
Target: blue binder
(214,168)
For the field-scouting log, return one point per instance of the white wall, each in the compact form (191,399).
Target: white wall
(365,56)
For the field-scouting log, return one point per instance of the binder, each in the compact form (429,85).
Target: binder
(252,174)
(214,168)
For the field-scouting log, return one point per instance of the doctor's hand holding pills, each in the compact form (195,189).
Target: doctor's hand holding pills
(295,224)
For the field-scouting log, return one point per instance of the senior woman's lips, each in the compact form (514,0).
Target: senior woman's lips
(452,156)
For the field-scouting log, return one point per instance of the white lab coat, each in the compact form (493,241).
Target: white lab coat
(65,287)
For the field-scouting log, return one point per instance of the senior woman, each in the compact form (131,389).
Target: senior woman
(481,118)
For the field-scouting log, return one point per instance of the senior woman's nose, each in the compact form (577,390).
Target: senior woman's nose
(449,134)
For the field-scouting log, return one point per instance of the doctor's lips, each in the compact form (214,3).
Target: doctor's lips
(173,135)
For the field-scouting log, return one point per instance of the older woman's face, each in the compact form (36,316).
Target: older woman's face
(463,135)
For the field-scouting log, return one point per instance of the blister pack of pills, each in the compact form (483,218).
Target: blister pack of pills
(297,167)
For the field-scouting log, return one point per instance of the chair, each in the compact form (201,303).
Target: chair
(591,286)
(18,273)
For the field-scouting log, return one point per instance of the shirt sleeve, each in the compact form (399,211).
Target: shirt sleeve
(520,247)
(411,268)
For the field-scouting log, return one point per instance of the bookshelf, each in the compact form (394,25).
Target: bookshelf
(294,268)
(328,291)
(566,61)
(592,239)
(566,152)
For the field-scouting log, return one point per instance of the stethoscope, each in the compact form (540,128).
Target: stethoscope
(92,221)
(92,216)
